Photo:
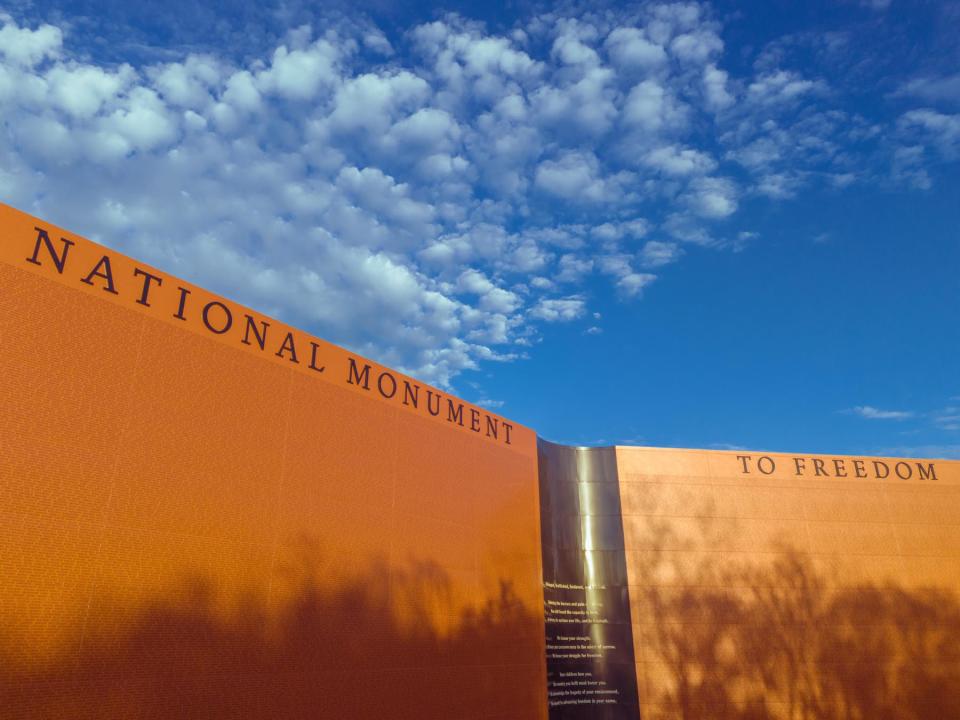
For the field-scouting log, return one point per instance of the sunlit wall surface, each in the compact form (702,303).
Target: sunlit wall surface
(771,586)
(205,515)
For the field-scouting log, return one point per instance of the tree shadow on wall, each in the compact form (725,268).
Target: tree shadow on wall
(371,648)
(781,641)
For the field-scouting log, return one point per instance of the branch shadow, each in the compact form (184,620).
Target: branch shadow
(368,648)
(780,640)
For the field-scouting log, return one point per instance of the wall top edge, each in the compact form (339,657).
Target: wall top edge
(33,245)
(741,452)
(779,454)
(42,248)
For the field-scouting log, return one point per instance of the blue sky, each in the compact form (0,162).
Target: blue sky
(682,224)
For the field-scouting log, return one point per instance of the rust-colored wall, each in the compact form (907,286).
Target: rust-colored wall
(195,527)
(789,591)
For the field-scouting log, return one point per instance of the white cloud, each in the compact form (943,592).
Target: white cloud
(715,89)
(779,185)
(583,106)
(427,130)
(300,73)
(27,48)
(696,47)
(673,18)
(945,88)
(570,51)
(947,419)
(143,121)
(371,101)
(491,298)
(375,40)
(559,309)
(526,257)
(572,268)
(188,84)
(871,413)
(499,300)
(781,86)
(908,167)
(629,283)
(688,228)
(433,210)
(241,91)
(632,284)
(945,451)
(490,404)
(939,129)
(616,264)
(758,154)
(631,50)
(82,90)
(382,196)
(575,176)
(745,237)
(474,281)
(650,107)
(673,160)
(656,253)
(712,197)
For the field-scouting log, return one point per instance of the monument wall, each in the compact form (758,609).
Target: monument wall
(776,586)
(206,513)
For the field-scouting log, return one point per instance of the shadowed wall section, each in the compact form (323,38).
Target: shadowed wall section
(195,526)
(782,587)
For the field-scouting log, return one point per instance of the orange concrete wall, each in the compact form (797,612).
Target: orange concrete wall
(788,586)
(195,527)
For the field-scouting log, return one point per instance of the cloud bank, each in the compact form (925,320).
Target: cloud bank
(436,205)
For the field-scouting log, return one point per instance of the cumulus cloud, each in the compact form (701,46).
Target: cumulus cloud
(656,253)
(628,281)
(712,197)
(298,74)
(572,268)
(23,47)
(632,284)
(672,160)
(576,177)
(630,49)
(434,203)
(81,90)
(651,107)
(715,90)
(559,309)
(781,86)
(696,47)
